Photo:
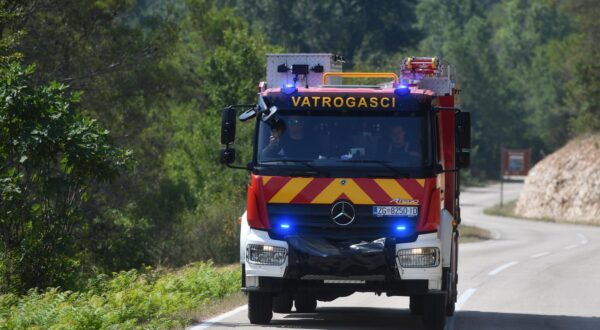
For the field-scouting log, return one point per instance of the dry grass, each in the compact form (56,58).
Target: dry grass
(506,210)
(217,307)
(470,234)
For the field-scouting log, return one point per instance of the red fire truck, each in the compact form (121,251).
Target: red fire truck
(354,188)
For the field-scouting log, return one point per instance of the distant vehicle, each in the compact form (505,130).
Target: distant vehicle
(354,188)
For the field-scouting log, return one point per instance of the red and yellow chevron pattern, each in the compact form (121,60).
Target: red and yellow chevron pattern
(296,190)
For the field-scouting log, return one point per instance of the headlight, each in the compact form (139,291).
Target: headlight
(265,254)
(419,257)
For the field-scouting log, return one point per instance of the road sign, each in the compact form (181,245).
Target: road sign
(516,162)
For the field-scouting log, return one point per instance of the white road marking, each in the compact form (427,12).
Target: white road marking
(496,234)
(583,239)
(503,267)
(570,247)
(463,298)
(541,254)
(210,322)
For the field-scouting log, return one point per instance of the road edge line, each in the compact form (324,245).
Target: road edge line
(210,322)
(462,299)
(497,270)
(541,254)
(583,239)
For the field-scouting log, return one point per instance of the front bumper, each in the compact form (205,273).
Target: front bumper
(311,265)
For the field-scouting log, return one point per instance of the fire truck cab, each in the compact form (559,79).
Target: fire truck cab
(354,187)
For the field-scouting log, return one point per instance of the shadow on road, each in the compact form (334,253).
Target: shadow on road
(402,319)
(351,318)
(489,320)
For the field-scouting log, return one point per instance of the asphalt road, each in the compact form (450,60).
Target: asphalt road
(531,275)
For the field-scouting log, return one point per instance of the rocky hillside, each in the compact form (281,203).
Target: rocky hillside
(565,185)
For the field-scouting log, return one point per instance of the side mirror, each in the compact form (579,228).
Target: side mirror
(463,159)
(228,118)
(227,156)
(463,130)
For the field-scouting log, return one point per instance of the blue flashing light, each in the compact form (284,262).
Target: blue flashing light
(284,226)
(402,90)
(289,89)
(402,227)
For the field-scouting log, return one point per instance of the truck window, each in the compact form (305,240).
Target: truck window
(398,139)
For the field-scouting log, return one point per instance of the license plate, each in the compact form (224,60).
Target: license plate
(395,211)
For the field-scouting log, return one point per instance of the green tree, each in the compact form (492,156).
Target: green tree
(361,31)
(227,60)
(49,156)
(578,57)
(504,54)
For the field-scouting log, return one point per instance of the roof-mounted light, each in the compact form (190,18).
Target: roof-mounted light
(402,90)
(289,89)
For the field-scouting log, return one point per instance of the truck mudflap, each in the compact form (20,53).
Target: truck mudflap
(318,256)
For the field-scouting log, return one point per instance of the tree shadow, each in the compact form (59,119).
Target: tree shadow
(492,320)
(402,319)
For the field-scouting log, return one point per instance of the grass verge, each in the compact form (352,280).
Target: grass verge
(506,210)
(217,307)
(470,234)
(151,299)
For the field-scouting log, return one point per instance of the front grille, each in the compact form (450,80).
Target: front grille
(315,220)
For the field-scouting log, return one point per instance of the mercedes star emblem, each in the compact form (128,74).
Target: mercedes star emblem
(343,213)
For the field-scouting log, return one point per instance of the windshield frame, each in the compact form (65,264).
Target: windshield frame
(353,169)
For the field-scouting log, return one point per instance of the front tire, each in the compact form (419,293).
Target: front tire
(305,303)
(453,281)
(417,304)
(282,303)
(260,305)
(434,312)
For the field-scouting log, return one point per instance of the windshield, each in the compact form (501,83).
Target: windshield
(375,139)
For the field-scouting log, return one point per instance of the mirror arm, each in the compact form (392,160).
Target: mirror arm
(452,170)
(235,167)
(438,109)
(242,106)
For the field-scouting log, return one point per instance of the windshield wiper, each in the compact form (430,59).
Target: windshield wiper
(304,162)
(385,164)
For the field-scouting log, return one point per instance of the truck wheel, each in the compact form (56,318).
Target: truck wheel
(305,303)
(282,303)
(451,304)
(453,289)
(434,311)
(416,304)
(260,306)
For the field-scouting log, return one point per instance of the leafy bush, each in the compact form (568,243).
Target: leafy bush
(49,155)
(155,299)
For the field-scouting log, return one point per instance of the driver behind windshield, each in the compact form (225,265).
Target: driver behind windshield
(289,140)
(399,149)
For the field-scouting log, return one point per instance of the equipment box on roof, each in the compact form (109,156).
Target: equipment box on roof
(301,69)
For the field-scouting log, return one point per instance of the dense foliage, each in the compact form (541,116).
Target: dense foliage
(148,299)
(360,31)
(527,69)
(518,65)
(156,73)
(49,156)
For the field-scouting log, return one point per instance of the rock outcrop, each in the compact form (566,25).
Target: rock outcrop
(565,186)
